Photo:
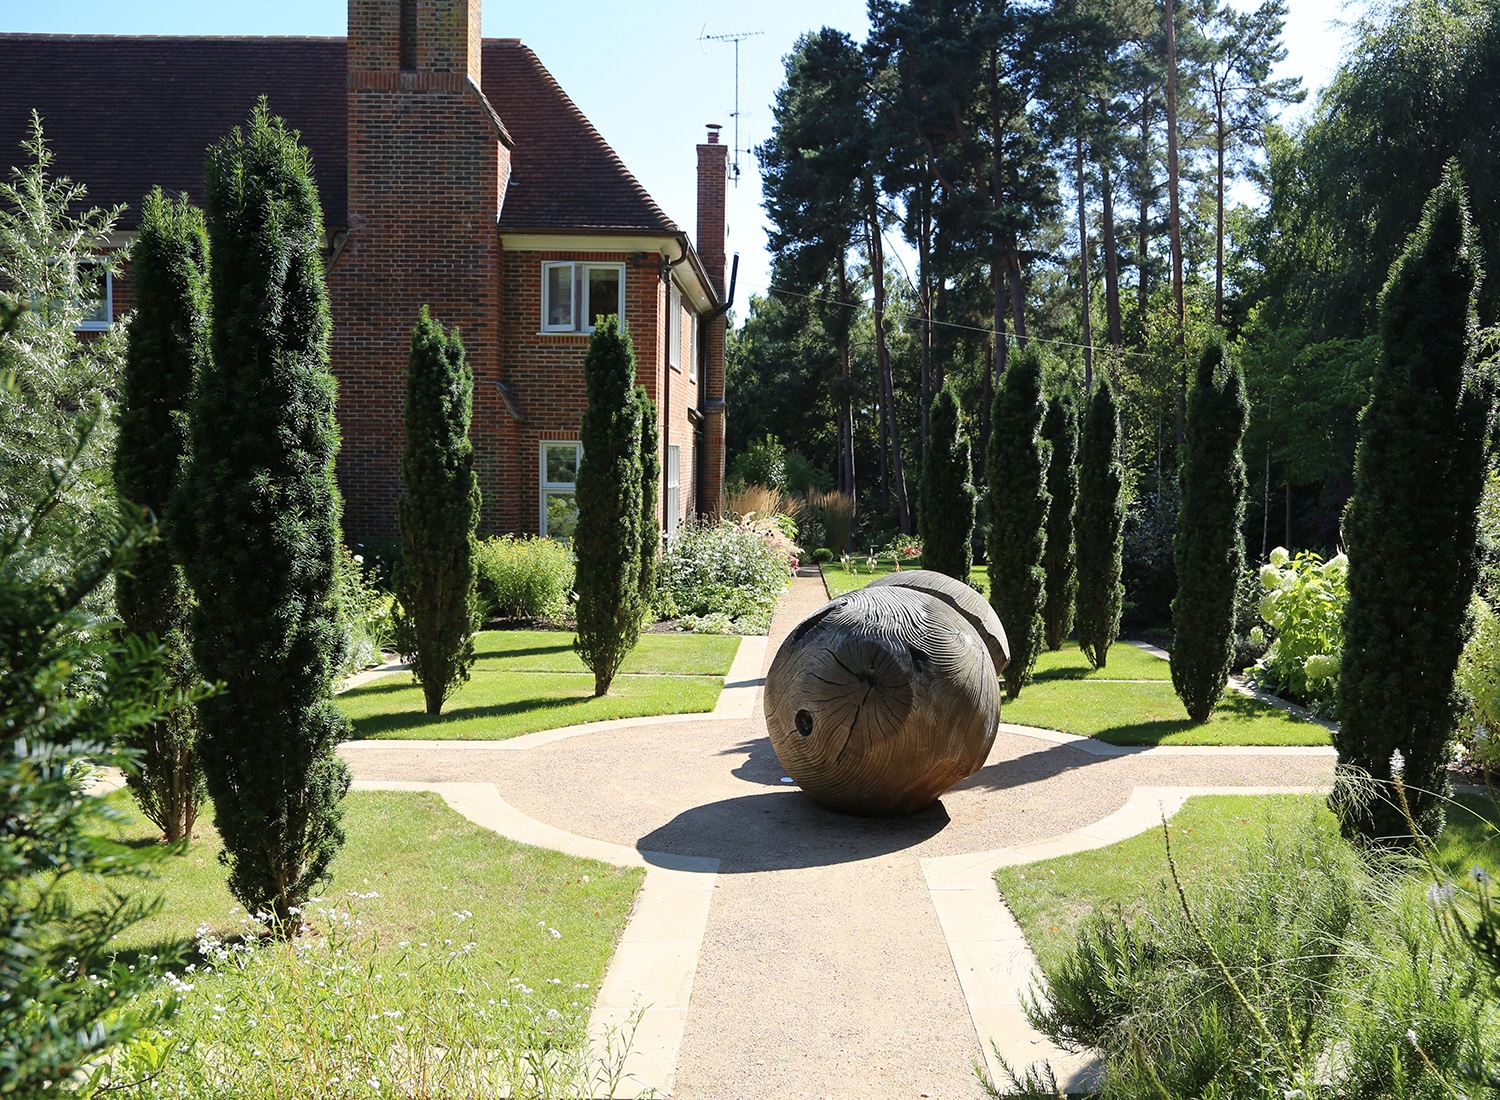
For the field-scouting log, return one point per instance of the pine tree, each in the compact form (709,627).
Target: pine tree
(257,525)
(650,480)
(1099,528)
(1017,500)
(945,518)
(167,347)
(1060,429)
(1207,547)
(438,512)
(1410,526)
(607,541)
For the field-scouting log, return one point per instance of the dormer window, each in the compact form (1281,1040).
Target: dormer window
(577,296)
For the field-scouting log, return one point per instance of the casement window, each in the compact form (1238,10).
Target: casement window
(674,489)
(674,327)
(692,355)
(99,314)
(577,296)
(559,481)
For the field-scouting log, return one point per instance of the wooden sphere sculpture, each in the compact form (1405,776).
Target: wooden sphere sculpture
(884,698)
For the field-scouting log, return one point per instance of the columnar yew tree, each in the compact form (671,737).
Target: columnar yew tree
(650,479)
(1060,429)
(945,517)
(257,521)
(437,514)
(1207,546)
(607,541)
(167,347)
(1099,528)
(1017,500)
(1410,526)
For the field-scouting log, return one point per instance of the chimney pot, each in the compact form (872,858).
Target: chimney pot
(713,133)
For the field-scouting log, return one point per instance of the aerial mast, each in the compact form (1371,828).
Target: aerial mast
(736,37)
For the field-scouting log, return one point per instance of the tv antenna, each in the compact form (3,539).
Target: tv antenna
(736,37)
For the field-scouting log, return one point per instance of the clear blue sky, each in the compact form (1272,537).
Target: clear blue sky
(637,70)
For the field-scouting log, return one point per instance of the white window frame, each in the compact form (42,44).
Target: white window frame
(692,355)
(674,327)
(552,488)
(673,494)
(106,284)
(580,275)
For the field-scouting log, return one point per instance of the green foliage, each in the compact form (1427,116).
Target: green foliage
(723,568)
(822,554)
(524,577)
(257,525)
(1060,429)
(1099,528)
(1300,970)
(437,513)
(1146,566)
(945,516)
(1304,599)
(1478,683)
(53,381)
(763,462)
(651,529)
(607,543)
(1017,501)
(1411,525)
(1208,550)
(168,344)
(71,693)
(367,614)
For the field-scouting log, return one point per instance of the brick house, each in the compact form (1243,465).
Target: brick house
(453,172)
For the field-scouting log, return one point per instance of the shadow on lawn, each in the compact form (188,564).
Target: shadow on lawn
(483,652)
(373,725)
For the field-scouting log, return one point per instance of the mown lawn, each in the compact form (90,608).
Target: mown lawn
(839,581)
(1050,899)
(414,863)
(529,680)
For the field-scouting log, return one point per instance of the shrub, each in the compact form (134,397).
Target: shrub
(1478,682)
(437,513)
(524,577)
(945,513)
(763,500)
(1060,561)
(1207,548)
(368,614)
(1303,601)
(1098,528)
(763,462)
(722,568)
(257,528)
(1017,502)
(651,529)
(1147,568)
(1411,525)
(835,511)
(822,554)
(607,541)
(804,477)
(168,343)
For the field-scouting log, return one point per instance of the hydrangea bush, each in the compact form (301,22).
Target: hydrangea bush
(1304,604)
(735,568)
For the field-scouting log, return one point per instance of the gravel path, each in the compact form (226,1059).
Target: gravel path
(824,972)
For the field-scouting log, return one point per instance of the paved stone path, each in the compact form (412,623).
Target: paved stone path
(839,957)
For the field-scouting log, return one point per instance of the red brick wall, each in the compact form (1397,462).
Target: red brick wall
(427,174)
(713,178)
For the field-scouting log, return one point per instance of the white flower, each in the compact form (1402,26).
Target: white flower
(1480,875)
(1336,566)
(1270,578)
(1257,636)
(1279,556)
(1398,763)
(1321,667)
(1440,895)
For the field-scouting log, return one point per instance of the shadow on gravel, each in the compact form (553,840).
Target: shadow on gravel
(783,829)
(762,767)
(1034,767)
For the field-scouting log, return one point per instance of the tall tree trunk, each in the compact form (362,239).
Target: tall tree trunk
(1083,275)
(939,311)
(881,405)
(1017,295)
(1111,253)
(883,361)
(846,413)
(1174,228)
(1219,139)
(1143,226)
(924,302)
(989,397)
(997,175)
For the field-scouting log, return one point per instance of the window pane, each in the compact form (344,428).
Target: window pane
(559,306)
(562,516)
(562,464)
(604,293)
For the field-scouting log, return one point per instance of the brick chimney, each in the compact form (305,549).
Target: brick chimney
(713,232)
(429,162)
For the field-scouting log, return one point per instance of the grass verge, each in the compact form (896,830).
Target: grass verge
(529,680)
(839,580)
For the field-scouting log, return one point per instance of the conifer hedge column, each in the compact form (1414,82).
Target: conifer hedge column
(1207,547)
(945,512)
(258,525)
(1060,429)
(607,540)
(1410,526)
(1017,500)
(650,479)
(438,512)
(1099,528)
(167,347)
